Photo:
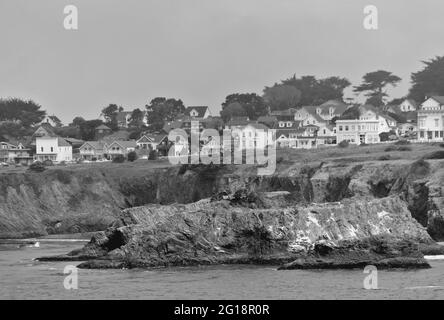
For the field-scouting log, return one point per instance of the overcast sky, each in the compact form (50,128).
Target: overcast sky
(128,52)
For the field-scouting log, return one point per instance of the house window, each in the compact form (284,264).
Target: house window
(340,128)
(52,149)
(436,122)
(41,149)
(346,128)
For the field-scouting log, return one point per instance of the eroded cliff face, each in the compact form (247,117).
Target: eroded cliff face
(66,200)
(213,232)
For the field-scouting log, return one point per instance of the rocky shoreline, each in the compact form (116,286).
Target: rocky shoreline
(251,229)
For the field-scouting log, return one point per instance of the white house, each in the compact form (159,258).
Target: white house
(431,119)
(151,141)
(14,153)
(358,131)
(251,136)
(408,105)
(93,150)
(200,112)
(386,122)
(121,148)
(51,147)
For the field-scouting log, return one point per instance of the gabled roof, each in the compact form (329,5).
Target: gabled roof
(103,127)
(439,99)
(98,145)
(125,144)
(312,110)
(238,121)
(294,124)
(62,142)
(121,135)
(201,110)
(154,138)
(267,119)
(45,130)
(287,112)
(412,102)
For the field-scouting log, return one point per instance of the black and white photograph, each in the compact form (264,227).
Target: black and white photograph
(242,152)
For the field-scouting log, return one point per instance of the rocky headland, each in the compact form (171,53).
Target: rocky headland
(332,214)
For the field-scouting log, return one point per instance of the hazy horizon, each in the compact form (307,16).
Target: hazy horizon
(200,51)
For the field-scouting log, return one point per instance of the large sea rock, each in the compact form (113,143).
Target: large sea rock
(254,229)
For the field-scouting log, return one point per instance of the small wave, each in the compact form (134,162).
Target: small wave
(438,257)
(424,287)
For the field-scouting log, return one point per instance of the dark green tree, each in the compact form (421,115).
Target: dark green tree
(429,81)
(282,96)
(234,109)
(26,112)
(253,104)
(161,110)
(137,118)
(374,84)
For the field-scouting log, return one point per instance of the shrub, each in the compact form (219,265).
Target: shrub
(384,157)
(435,155)
(390,149)
(384,136)
(420,167)
(37,167)
(119,159)
(132,156)
(94,159)
(152,155)
(404,148)
(48,163)
(441,145)
(62,163)
(363,145)
(343,144)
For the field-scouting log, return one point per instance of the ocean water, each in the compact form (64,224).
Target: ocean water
(23,278)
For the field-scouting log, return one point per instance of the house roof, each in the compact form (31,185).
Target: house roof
(338,108)
(312,111)
(412,102)
(238,121)
(294,124)
(267,119)
(286,112)
(62,142)
(439,99)
(155,138)
(125,144)
(120,135)
(94,144)
(201,110)
(103,127)
(45,130)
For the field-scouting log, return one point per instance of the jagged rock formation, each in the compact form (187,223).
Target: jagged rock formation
(222,231)
(66,201)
